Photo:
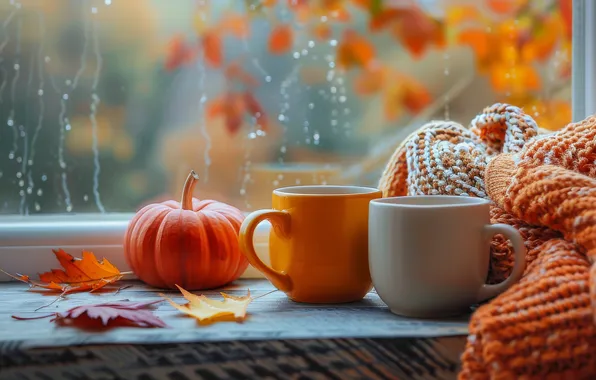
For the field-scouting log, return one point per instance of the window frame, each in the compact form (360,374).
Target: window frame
(25,241)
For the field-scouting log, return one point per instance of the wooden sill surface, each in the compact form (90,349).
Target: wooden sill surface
(270,317)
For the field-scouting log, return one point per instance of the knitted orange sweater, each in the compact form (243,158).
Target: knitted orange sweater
(545,186)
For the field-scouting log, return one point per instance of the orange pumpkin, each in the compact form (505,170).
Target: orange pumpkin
(193,243)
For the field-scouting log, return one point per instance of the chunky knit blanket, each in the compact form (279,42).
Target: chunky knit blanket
(545,186)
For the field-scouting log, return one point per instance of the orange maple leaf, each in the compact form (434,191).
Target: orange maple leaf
(354,50)
(86,273)
(207,310)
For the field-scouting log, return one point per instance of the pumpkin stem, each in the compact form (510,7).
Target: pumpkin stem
(189,186)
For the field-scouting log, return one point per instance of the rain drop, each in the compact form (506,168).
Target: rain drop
(17,66)
(39,192)
(296,55)
(311,105)
(311,44)
(19,159)
(30,162)
(282,149)
(29,190)
(37,206)
(242,191)
(19,174)
(323,18)
(203,99)
(333,90)
(260,132)
(44,177)
(252,135)
(22,193)
(333,123)
(333,42)
(11,155)
(67,127)
(93,10)
(10,122)
(281,118)
(316,136)
(297,182)
(65,96)
(40,92)
(276,183)
(68,208)
(85,197)
(68,82)
(47,59)
(342,99)
(108,2)
(268,79)
(280,176)
(304,52)
(331,64)
(21,183)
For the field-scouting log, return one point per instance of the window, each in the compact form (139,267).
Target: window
(107,105)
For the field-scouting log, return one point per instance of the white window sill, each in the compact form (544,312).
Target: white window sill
(26,242)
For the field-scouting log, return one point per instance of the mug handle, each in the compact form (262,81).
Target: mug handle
(280,221)
(489,291)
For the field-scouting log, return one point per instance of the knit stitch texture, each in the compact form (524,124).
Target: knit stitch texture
(543,327)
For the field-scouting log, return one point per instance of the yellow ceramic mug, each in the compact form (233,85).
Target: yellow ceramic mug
(318,243)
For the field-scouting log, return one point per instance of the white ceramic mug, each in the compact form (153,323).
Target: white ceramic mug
(429,255)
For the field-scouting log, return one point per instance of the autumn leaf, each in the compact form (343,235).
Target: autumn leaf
(212,48)
(207,310)
(179,53)
(103,315)
(354,50)
(281,39)
(84,274)
(235,24)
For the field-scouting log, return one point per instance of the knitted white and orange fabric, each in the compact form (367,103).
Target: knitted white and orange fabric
(545,186)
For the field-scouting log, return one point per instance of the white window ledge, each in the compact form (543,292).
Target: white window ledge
(26,242)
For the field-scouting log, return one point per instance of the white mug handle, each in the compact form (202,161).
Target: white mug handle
(489,291)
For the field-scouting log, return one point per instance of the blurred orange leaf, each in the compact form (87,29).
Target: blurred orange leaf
(212,48)
(178,53)
(235,24)
(504,6)
(416,31)
(370,81)
(354,50)
(322,31)
(281,39)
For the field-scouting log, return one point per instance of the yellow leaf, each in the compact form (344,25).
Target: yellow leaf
(207,310)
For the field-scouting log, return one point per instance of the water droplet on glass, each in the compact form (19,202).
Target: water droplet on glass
(342,99)
(331,64)
(252,135)
(21,183)
(93,10)
(333,123)
(67,127)
(306,123)
(242,191)
(29,190)
(323,183)
(19,159)
(282,149)
(68,208)
(63,165)
(23,134)
(296,55)
(11,155)
(304,52)
(280,176)
(261,132)
(68,82)
(297,182)
(39,192)
(10,122)
(19,174)
(85,197)
(40,92)
(311,44)
(47,59)
(37,206)
(108,2)
(22,193)
(44,177)
(17,66)
(276,183)
(316,136)
(65,96)
(333,90)
(311,105)
(203,99)
(333,42)
(281,118)
(268,78)
(307,140)
(323,18)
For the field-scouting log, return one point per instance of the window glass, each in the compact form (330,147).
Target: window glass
(107,105)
